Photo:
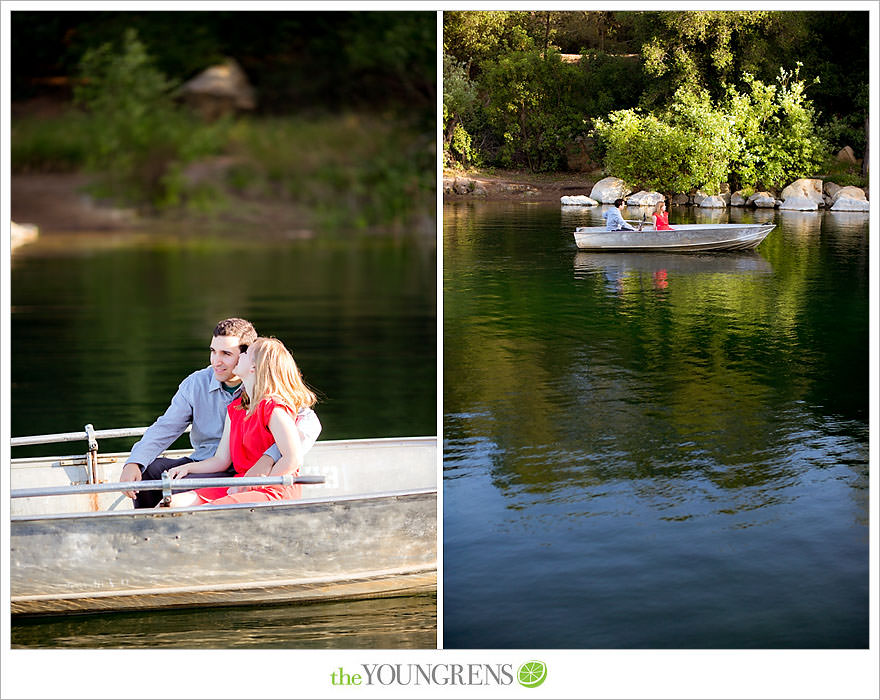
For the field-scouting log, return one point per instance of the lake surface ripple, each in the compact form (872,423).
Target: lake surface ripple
(651,450)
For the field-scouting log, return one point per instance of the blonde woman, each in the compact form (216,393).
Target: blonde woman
(661,217)
(265,413)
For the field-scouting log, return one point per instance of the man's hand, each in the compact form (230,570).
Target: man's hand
(131,472)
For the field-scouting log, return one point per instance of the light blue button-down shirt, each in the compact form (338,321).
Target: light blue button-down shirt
(201,401)
(614,221)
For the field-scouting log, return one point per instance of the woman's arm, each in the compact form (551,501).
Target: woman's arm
(283,427)
(221,460)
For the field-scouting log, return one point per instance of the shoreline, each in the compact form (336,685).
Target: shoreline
(514,185)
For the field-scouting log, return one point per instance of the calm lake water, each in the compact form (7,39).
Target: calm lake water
(654,451)
(105,326)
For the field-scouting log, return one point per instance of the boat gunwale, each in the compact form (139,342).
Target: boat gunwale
(599,230)
(280,504)
(352,442)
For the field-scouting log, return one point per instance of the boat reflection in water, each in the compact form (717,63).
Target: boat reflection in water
(617,266)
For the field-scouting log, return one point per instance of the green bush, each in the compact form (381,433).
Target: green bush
(765,137)
(139,135)
(356,171)
(686,146)
(532,106)
(645,151)
(776,129)
(460,146)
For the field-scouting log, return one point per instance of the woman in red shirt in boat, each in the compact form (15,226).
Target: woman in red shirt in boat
(661,217)
(265,413)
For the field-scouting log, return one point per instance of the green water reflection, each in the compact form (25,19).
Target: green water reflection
(388,623)
(105,326)
(615,425)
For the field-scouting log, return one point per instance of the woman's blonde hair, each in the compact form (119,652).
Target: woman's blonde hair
(276,376)
(658,205)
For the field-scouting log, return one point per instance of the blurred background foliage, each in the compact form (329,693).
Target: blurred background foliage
(344,122)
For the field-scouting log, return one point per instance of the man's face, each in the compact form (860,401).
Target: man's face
(224,357)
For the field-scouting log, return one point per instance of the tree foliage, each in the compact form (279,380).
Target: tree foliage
(141,138)
(765,136)
(686,146)
(531,104)
(713,74)
(777,131)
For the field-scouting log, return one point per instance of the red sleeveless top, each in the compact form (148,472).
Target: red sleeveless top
(250,437)
(661,221)
(248,440)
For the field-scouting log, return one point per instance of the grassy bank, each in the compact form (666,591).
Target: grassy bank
(363,171)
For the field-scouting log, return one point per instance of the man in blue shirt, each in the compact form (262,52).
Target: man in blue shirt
(613,218)
(201,400)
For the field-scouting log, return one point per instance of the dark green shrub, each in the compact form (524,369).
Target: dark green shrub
(140,137)
(533,108)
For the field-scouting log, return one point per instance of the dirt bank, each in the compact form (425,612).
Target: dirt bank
(57,203)
(500,185)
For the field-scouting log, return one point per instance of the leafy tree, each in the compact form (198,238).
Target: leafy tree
(532,106)
(459,101)
(777,132)
(140,138)
(709,48)
(474,36)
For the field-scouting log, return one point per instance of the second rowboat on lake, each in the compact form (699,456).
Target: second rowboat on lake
(684,238)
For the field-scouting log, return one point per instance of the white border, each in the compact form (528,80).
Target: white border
(439,219)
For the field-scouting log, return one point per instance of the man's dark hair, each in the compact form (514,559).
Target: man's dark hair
(618,202)
(237,327)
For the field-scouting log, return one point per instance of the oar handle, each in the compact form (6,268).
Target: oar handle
(168,485)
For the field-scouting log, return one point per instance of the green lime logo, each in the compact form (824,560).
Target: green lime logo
(532,673)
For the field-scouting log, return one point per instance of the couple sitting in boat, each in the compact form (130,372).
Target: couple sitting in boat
(251,415)
(614,220)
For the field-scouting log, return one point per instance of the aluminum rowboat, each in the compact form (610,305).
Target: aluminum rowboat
(370,530)
(685,238)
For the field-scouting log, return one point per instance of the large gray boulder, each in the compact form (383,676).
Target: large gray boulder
(22,233)
(851,204)
(798,203)
(738,199)
(218,90)
(680,200)
(713,202)
(849,192)
(831,188)
(762,200)
(804,188)
(644,199)
(846,155)
(608,189)
(697,196)
(578,200)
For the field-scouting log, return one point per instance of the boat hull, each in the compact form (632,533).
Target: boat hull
(369,531)
(685,238)
(246,554)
